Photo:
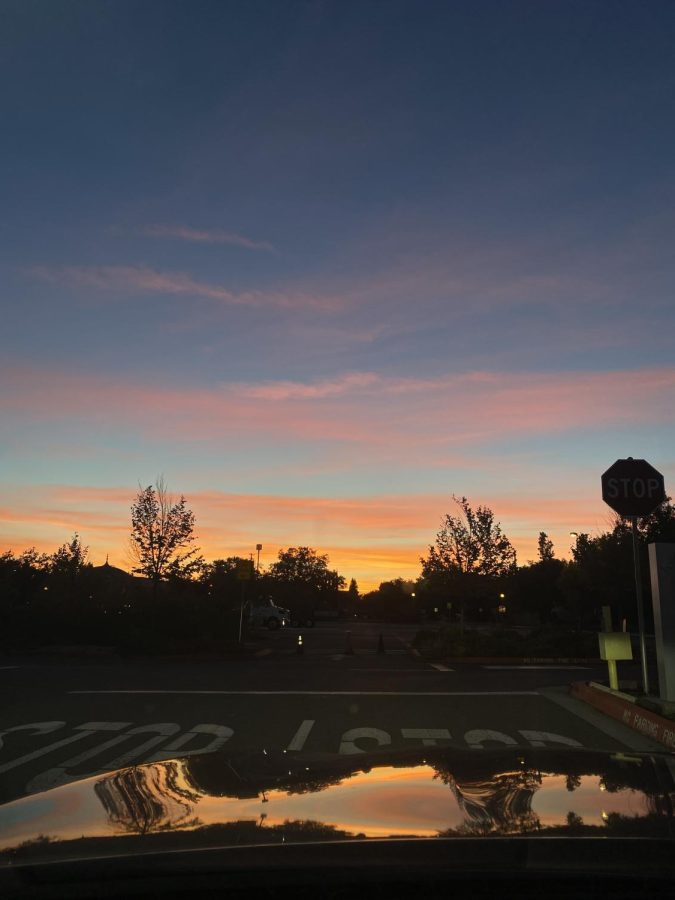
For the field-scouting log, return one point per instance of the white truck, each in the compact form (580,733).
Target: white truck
(266,614)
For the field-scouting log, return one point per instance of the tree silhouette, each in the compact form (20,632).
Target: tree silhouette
(545,547)
(471,543)
(471,551)
(304,566)
(70,558)
(162,532)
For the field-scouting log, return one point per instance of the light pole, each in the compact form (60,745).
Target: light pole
(258,547)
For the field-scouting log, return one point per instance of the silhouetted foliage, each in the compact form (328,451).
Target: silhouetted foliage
(392,601)
(304,566)
(61,599)
(471,543)
(70,558)
(545,547)
(534,591)
(469,558)
(162,532)
(301,581)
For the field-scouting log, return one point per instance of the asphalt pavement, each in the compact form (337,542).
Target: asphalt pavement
(65,719)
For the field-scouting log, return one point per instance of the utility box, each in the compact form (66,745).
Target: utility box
(662,570)
(615,645)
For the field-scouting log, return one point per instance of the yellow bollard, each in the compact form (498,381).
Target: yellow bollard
(611,663)
(614,645)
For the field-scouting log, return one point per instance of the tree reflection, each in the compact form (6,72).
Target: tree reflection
(500,803)
(148,798)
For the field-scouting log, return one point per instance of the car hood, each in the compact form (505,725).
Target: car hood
(262,799)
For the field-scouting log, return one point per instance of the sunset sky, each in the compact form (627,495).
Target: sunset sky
(324,264)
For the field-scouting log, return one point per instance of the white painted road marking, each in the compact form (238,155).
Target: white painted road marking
(478,736)
(301,735)
(162,730)
(349,738)
(39,727)
(441,667)
(84,731)
(351,742)
(541,738)
(221,733)
(334,693)
(428,736)
(59,774)
(408,671)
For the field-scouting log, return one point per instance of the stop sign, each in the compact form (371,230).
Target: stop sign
(632,487)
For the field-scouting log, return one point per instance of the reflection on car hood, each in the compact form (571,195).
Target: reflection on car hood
(260,799)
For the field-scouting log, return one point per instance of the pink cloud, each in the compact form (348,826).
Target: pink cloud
(293,390)
(398,416)
(205,236)
(148,280)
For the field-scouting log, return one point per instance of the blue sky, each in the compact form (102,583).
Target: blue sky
(333,250)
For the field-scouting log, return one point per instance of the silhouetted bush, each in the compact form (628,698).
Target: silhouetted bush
(545,642)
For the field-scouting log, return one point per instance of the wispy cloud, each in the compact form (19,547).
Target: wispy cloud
(206,236)
(147,280)
(398,416)
(294,390)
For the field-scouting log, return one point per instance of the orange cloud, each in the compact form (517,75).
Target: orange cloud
(370,538)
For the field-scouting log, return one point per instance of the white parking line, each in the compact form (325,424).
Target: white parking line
(332,693)
(301,735)
(408,671)
(441,667)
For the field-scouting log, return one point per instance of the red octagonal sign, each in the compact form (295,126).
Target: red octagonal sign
(633,487)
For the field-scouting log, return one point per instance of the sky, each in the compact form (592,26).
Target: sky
(323,265)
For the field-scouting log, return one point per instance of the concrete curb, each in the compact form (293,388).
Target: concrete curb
(517,660)
(626,710)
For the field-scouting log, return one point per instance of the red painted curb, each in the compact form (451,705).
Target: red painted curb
(636,717)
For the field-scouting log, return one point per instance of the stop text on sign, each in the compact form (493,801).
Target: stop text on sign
(633,487)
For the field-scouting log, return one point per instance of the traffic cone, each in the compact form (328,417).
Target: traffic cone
(380,645)
(300,650)
(348,643)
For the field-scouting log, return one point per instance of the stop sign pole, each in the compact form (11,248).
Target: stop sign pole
(634,488)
